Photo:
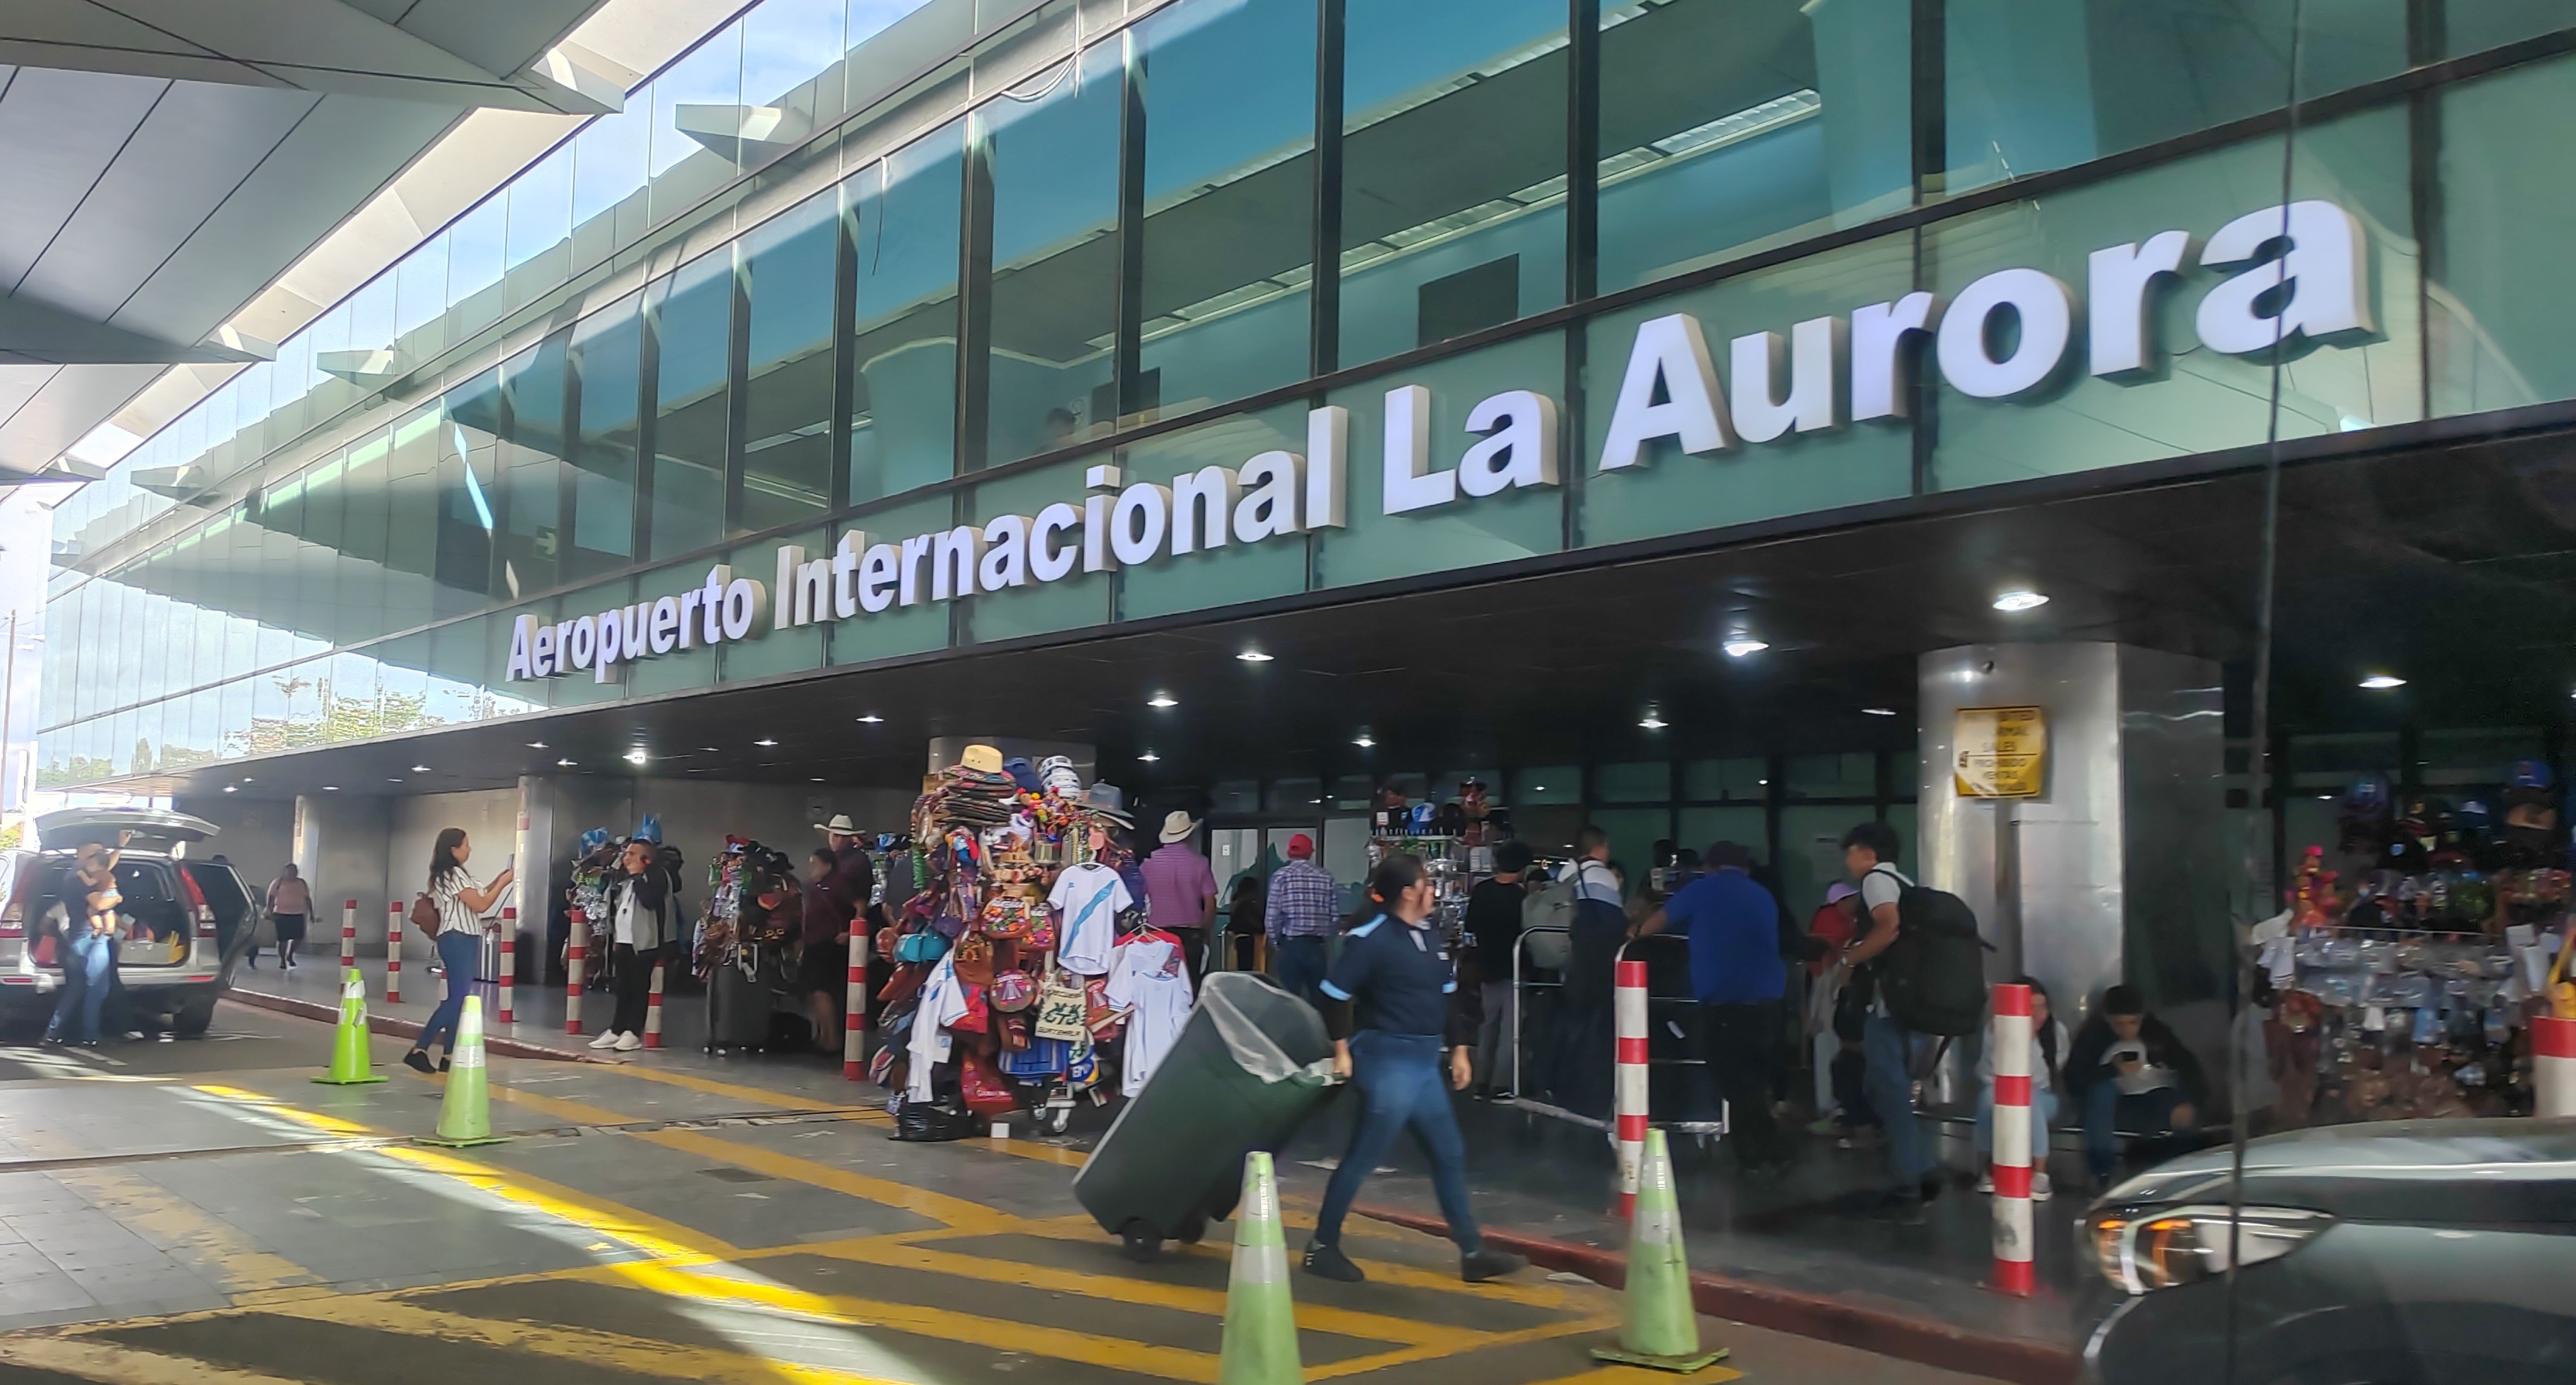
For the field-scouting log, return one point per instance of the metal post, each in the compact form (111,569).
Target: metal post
(509,967)
(393,952)
(1629,1009)
(2011,1056)
(349,934)
(854,1014)
(653,1010)
(572,972)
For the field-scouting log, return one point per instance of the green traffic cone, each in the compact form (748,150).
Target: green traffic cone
(349,1066)
(465,1112)
(1260,1344)
(1658,1327)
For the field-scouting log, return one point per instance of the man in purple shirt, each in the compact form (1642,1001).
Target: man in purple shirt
(1180,891)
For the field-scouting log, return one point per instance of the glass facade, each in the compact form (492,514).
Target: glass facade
(932,280)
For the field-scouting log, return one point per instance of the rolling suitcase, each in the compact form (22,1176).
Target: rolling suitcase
(1251,1065)
(737,1009)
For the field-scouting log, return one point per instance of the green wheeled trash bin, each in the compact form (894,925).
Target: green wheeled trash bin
(1251,1064)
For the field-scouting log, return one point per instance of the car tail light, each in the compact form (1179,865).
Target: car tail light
(13,913)
(2160,1250)
(197,903)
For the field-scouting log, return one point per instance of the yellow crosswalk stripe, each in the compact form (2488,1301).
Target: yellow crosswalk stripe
(215,1249)
(941,1207)
(603,1350)
(115,1364)
(1360,1365)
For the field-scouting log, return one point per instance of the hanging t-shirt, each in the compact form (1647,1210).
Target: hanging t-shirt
(1088,897)
(1146,980)
(943,1003)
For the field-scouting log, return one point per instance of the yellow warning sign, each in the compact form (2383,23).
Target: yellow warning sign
(2002,752)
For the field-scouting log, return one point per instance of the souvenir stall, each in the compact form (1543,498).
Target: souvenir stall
(2402,977)
(597,862)
(1020,960)
(743,945)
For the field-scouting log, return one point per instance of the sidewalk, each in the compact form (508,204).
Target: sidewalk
(1797,1253)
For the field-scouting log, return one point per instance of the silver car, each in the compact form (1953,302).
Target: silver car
(179,914)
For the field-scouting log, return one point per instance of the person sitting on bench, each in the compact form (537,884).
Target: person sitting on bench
(2129,1074)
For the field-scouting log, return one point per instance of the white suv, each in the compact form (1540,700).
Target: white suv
(178,916)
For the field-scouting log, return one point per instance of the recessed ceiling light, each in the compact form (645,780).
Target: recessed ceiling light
(817,779)
(1253,656)
(1363,740)
(536,745)
(711,750)
(1878,711)
(764,743)
(1162,699)
(567,764)
(1742,645)
(393,778)
(330,788)
(1652,722)
(636,756)
(420,769)
(2020,601)
(248,780)
(870,719)
(2379,682)
(230,789)
(1149,757)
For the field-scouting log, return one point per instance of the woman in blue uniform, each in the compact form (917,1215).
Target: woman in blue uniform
(1395,1009)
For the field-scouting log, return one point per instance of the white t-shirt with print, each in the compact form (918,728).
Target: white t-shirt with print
(1087,899)
(1147,980)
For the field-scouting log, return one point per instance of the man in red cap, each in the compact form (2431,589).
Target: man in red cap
(1300,919)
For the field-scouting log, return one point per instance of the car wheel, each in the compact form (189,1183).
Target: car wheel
(190,1020)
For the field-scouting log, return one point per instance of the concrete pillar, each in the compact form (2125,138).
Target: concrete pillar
(535,851)
(341,845)
(2118,870)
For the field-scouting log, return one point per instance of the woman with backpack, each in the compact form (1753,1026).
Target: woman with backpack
(460,901)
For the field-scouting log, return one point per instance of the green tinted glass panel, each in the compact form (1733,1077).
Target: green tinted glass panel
(1703,827)
(1547,784)
(787,278)
(607,356)
(2035,87)
(2500,311)
(1811,853)
(1833,776)
(1669,492)
(770,650)
(692,316)
(1633,834)
(1728,125)
(1053,161)
(1722,780)
(1237,571)
(1034,607)
(1518,523)
(903,242)
(1648,781)
(2192,399)
(581,687)
(898,629)
(2472,25)
(693,667)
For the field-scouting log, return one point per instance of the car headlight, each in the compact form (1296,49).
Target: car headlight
(2159,1250)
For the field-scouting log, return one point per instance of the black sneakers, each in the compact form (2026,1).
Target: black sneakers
(1477,1266)
(1328,1262)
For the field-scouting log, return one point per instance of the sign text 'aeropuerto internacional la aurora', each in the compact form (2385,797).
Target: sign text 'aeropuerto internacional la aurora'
(1832,371)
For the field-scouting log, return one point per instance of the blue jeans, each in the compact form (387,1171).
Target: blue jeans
(2043,1109)
(461,953)
(1401,1084)
(2106,1110)
(1888,1081)
(1299,964)
(85,969)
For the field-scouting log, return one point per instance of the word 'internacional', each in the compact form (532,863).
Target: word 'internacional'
(2313,283)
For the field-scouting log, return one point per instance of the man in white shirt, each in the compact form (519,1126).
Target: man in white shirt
(1869,854)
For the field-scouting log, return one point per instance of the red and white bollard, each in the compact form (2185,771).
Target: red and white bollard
(854,1013)
(393,951)
(1628,1005)
(2553,1066)
(509,958)
(653,1010)
(2011,1054)
(572,973)
(349,934)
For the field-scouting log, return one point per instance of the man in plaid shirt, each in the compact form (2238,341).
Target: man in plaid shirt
(1300,919)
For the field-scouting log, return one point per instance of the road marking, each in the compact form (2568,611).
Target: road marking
(1545,1332)
(214,1249)
(1638,1375)
(608,1350)
(940,1207)
(123,1365)
(758,1096)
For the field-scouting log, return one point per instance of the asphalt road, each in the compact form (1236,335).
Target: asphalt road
(203,1211)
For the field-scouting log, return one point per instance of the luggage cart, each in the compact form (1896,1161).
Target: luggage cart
(1703,1131)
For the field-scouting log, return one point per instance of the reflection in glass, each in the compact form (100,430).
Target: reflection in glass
(692,315)
(540,209)
(466,519)
(903,241)
(2039,87)
(787,280)
(786,45)
(698,123)
(1229,108)
(530,485)
(1453,169)
(1050,150)
(1726,124)
(607,361)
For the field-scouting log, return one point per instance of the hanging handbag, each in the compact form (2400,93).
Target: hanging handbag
(424,914)
(975,959)
(924,946)
(983,1089)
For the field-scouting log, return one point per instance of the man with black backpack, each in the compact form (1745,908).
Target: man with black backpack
(1920,965)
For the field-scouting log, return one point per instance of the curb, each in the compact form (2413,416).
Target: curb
(395,1027)
(1787,1310)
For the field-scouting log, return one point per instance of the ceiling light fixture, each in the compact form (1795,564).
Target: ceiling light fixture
(1878,711)
(1742,645)
(1253,656)
(565,764)
(870,719)
(1149,757)
(1162,699)
(230,789)
(636,756)
(536,745)
(2020,601)
(420,769)
(764,743)
(1363,740)
(330,788)
(2381,682)
(247,779)
(1652,722)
